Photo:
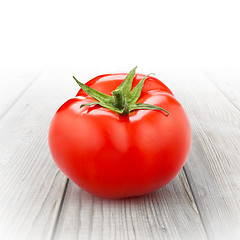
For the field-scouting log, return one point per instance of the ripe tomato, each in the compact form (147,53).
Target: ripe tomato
(113,155)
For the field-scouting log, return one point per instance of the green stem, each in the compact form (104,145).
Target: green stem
(119,100)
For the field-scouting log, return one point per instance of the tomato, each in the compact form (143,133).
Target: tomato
(116,155)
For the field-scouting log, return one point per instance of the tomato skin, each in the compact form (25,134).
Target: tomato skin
(116,156)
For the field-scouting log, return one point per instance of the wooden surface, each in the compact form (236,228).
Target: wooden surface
(38,202)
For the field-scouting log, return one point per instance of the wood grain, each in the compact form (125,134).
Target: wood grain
(13,84)
(227,80)
(213,167)
(169,213)
(202,202)
(30,183)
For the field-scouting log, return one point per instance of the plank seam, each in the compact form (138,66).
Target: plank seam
(20,95)
(219,89)
(196,203)
(59,211)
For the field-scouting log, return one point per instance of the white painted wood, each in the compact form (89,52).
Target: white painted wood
(228,82)
(13,83)
(169,213)
(213,167)
(32,188)
(30,183)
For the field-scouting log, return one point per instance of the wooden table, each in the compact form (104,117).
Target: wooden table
(38,202)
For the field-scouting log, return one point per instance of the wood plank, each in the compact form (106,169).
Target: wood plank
(13,83)
(169,213)
(228,82)
(31,209)
(213,167)
(31,184)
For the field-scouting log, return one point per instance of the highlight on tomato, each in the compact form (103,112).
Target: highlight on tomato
(122,135)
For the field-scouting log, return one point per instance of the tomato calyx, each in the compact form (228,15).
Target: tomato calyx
(123,99)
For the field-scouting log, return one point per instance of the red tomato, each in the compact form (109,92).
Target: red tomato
(115,156)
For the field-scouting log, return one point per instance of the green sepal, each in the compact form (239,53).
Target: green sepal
(134,95)
(123,100)
(145,106)
(117,110)
(126,85)
(89,104)
(101,97)
(111,107)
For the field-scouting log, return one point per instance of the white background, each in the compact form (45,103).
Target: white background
(107,36)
